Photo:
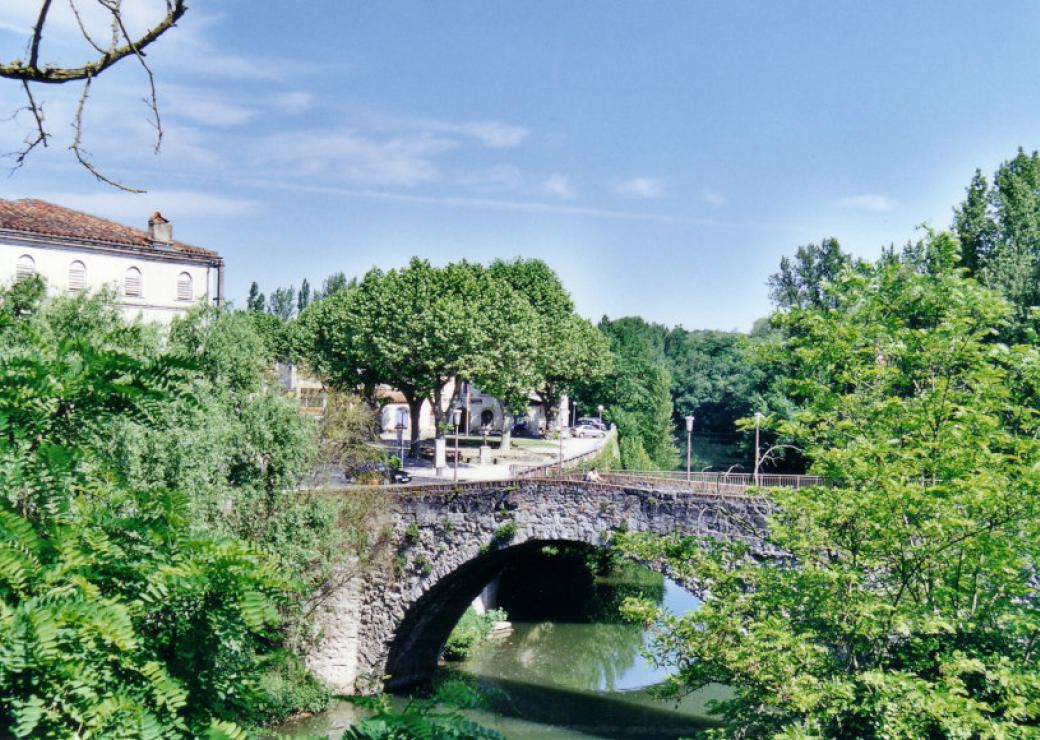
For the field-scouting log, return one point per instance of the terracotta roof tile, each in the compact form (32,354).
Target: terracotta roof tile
(42,218)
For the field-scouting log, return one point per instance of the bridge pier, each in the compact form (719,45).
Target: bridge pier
(388,624)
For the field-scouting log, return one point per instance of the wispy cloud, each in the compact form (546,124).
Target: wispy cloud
(504,177)
(490,134)
(868,202)
(133,209)
(204,106)
(714,198)
(356,158)
(640,187)
(558,186)
(293,102)
(499,204)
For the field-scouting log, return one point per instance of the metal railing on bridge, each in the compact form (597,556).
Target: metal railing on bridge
(743,480)
(553,468)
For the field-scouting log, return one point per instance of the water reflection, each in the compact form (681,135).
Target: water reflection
(572,668)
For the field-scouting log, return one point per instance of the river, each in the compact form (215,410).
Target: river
(572,668)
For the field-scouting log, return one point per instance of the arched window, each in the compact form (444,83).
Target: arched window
(26,267)
(185,290)
(77,276)
(132,287)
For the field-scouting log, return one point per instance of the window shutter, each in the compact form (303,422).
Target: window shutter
(184,287)
(132,283)
(77,276)
(26,267)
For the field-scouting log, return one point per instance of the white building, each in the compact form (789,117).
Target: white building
(481,412)
(154,277)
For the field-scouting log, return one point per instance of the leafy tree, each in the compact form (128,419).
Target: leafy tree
(117,618)
(999,226)
(569,350)
(283,303)
(420,327)
(975,226)
(333,284)
(304,297)
(903,605)
(637,393)
(801,282)
(256,301)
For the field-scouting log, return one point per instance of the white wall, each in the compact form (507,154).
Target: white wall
(158,301)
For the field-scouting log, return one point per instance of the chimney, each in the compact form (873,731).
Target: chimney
(160,231)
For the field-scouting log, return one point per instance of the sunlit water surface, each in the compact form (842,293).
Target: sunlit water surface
(578,673)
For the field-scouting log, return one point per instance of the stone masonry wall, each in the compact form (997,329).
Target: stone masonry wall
(391,620)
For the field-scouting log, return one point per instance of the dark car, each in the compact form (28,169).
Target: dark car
(376,472)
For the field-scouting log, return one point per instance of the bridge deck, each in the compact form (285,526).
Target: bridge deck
(720,484)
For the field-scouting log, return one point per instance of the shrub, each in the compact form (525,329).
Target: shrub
(471,630)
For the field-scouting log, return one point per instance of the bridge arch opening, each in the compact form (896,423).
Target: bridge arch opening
(422,633)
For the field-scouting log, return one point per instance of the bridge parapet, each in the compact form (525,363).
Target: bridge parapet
(449,540)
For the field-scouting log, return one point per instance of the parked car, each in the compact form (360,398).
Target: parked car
(588,430)
(592,421)
(376,472)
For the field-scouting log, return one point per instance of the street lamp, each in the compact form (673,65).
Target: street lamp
(402,424)
(457,419)
(561,450)
(689,443)
(600,409)
(758,423)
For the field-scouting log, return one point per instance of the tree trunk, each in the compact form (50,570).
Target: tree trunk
(438,412)
(507,431)
(551,404)
(414,414)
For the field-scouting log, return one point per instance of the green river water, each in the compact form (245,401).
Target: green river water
(572,668)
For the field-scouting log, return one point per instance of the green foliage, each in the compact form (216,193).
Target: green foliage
(471,630)
(637,394)
(803,281)
(911,610)
(999,227)
(508,328)
(147,517)
(116,618)
(411,533)
(505,532)
(418,719)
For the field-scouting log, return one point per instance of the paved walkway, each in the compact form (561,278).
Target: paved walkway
(424,471)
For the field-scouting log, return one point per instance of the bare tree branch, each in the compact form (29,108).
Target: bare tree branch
(31,71)
(40,135)
(82,156)
(122,45)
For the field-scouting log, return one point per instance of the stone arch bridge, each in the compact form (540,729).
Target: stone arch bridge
(385,622)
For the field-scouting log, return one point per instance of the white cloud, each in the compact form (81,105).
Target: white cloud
(868,202)
(294,102)
(494,134)
(506,177)
(641,187)
(558,185)
(400,161)
(203,106)
(133,209)
(490,134)
(715,198)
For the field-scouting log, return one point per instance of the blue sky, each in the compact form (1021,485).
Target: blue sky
(661,156)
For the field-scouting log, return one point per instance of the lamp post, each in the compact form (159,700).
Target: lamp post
(561,450)
(689,444)
(600,410)
(457,418)
(402,424)
(758,423)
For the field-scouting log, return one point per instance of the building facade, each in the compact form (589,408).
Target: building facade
(153,277)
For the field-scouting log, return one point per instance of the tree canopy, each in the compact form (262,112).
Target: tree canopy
(911,610)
